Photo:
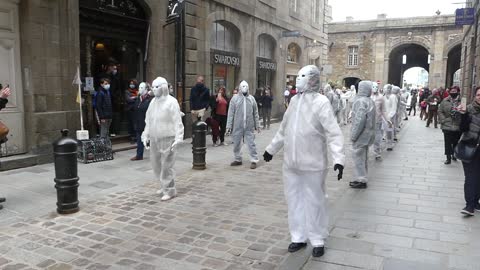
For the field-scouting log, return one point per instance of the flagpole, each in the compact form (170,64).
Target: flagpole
(81,112)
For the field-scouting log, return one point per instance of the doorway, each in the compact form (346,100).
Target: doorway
(113,31)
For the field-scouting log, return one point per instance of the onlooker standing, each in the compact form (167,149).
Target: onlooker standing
(131,95)
(433,101)
(4,94)
(266,101)
(470,126)
(139,113)
(413,103)
(103,105)
(116,95)
(199,99)
(449,118)
(221,113)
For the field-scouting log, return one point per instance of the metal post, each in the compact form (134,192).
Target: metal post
(199,145)
(66,174)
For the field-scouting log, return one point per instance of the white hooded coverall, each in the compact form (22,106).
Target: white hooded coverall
(391,104)
(363,129)
(243,121)
(380,117)
(163,131)
(308,127)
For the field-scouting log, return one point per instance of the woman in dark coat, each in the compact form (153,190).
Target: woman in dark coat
(470,126)
(139,113)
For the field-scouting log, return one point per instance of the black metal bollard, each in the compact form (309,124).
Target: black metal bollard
(199,145)
(66,174)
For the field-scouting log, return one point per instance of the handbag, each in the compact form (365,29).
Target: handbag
(465,151)
(3,132)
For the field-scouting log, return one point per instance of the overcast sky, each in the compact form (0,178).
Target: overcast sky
(368,9)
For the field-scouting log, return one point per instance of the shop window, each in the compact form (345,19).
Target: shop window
(353,56)
(293,53)
(266,47)
(224,37)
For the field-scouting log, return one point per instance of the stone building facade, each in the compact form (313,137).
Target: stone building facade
(373,50)
(43,42)
(470,54)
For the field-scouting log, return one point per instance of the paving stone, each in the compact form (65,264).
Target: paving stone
(159,251)
(258,247)
(45,263)
(81,262)
(214,264)
(254,255)
(175,255)
(16,266)
(60,266)
(126,262)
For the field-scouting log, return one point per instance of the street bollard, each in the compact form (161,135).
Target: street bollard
(66,174)
(199,145)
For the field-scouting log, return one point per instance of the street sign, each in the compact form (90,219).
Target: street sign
(464,16)
(291,34)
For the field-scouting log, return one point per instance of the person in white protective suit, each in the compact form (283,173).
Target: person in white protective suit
(363,132)
(242,122)
(341,107)
(381,120)
(391,105)
(349,96)
(308,127)
(398,119)
(163,131)
(333,98)
(404,97)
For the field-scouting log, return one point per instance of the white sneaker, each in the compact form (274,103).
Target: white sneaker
(215,145)
(226,144)
(159,192)
(166,197)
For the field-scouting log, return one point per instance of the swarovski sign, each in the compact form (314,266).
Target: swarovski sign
(225,58)
(266,64)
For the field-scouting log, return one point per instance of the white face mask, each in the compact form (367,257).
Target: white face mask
(106,86)
(142,89)
(302,80)
(132,86)
(160,87)
(244,87)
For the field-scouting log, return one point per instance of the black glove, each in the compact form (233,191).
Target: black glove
(340,170)
(267,157)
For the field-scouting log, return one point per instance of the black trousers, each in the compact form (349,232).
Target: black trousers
(451,139)
(222,121)
(472,181)
(432,117)
(414,108)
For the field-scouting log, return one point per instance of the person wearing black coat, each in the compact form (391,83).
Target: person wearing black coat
(103,108)
(139,113)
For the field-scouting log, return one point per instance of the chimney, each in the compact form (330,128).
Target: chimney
(349,19)
(382,16)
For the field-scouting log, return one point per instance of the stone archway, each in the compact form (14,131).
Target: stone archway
(453,64)
(405,56)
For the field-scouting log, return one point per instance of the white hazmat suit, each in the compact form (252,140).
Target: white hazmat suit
(163,131)
(381,120)
(242,122)
(363,132)
(391,105)
(333,98)
(404,97)
(398,119)
(307,129)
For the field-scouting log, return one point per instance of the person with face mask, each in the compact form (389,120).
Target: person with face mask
(450,119)
(131,95)
(341,107)
(349,96)
(391,104)
(139,114)
(363,132)
(103,107)
(332,97)
(199,100)
(117,95)
(433,101)
(404,97)
(309,118)
(163,132)
(242,122)
(381,120)
(413,103)
(398,117)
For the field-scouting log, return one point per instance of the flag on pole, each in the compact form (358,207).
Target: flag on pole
(78,82)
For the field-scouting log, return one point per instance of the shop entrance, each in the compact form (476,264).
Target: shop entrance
(112,32)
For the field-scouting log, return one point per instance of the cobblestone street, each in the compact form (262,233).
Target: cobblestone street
(235,218)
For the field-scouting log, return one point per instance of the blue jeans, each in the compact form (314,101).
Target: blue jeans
(140,146)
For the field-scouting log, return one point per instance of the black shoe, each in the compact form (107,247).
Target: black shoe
(294,247)
(389,149)
(468,211)
(1,207)
(358,185)
(427,125)
(448,161)
(236,163)
(2,199)
(454,158)
(395,140)
(354,183)
(318,251)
